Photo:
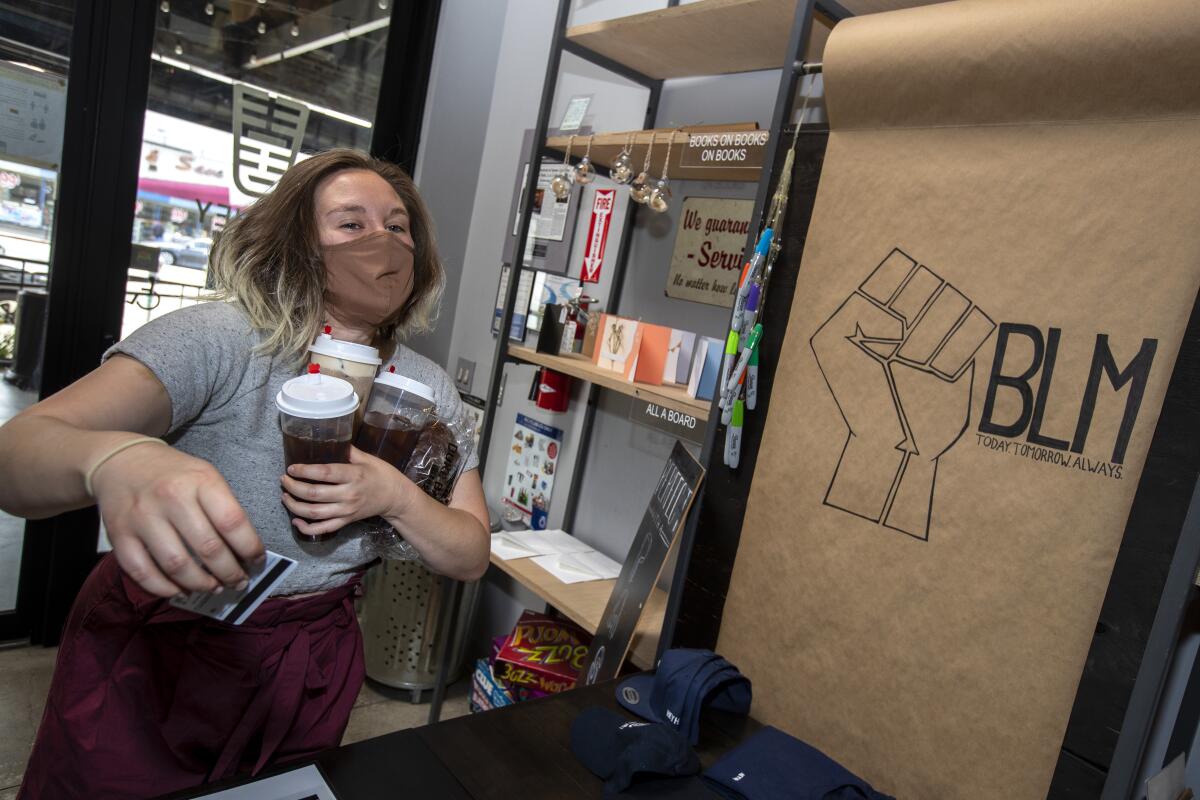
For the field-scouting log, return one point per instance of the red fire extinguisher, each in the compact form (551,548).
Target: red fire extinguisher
(553,390)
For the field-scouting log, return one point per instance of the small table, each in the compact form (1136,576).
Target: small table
(522,751)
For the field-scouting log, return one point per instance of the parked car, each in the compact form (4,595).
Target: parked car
(183,252)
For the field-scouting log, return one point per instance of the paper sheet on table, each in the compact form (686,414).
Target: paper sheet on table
(579,567)
(524,544)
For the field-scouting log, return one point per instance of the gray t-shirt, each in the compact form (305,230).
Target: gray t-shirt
(223,411)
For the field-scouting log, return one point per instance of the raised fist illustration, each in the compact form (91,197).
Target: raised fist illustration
(899,359)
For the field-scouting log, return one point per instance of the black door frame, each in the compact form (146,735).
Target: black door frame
(107,90)
(107,82)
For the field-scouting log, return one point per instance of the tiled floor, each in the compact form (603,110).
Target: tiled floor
(25,678)
(12,529)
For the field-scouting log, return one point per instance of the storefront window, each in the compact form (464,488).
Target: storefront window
(323,60)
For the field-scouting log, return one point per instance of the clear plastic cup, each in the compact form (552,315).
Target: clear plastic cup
(316,415)
(356,363)
(398,410)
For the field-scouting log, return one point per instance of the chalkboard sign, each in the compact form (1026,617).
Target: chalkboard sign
(661,523)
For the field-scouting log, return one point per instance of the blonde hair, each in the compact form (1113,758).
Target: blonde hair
(268,257)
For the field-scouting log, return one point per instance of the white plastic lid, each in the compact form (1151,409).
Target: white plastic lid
(407,384)
(317,396)
(326,345)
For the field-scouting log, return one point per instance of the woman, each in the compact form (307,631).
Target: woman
(148,698)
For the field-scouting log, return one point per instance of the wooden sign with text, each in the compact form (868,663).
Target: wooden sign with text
(707,260)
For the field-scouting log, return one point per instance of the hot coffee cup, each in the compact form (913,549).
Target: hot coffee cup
(356,363)
(316,415)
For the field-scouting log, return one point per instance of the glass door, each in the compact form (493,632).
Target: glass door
(34,61)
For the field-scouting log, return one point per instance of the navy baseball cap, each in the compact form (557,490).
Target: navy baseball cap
(623,751)
(685,683)
(772,765)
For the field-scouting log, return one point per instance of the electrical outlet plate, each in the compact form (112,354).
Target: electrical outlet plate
(464,375)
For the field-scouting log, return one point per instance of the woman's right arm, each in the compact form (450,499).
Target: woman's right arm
(157,503)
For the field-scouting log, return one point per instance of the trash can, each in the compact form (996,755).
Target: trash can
(26,370)
(401,620)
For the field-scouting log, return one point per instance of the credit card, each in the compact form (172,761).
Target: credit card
(236,607)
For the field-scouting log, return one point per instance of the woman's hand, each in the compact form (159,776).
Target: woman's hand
(158,504)
(344,493)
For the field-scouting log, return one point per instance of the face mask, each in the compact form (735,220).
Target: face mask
(368,280)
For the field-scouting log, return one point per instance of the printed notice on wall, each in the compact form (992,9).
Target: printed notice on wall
(549,213)
(32,107)
(529,475)
(709,243)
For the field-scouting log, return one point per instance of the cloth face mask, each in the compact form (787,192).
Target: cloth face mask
(368,280)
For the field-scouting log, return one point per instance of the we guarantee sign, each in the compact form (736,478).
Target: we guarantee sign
(709,243)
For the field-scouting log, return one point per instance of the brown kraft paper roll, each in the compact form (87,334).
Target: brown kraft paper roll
(1009,188)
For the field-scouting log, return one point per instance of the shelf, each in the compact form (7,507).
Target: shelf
(584,603)
(606,146)
(582,368)
(710,37)
(715,37)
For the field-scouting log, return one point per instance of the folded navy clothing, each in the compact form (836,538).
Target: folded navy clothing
(623,751)
(685,684)
(771,765)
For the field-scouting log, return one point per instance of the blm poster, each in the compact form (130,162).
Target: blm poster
(1001,263)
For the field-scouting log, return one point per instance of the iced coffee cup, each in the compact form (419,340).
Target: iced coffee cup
(397,410)
(352,362)
(316,415)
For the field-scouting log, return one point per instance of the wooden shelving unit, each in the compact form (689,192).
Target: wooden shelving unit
(583,369)
(583,604)
(714,37)
(606,146)
(711,37)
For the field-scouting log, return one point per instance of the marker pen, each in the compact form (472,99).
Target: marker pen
(743,362)
(733,436)
(751,272)
(734,392)
(752,380)
(750,317)
(731,349)
(727,413)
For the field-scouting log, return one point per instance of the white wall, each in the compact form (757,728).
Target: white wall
(456,122)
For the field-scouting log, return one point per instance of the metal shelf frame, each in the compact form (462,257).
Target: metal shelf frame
(784,107)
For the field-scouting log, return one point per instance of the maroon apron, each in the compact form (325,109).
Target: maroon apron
(149,699)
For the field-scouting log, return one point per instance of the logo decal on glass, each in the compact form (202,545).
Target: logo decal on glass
(267,132)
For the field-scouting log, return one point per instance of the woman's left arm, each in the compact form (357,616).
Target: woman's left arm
(452,540)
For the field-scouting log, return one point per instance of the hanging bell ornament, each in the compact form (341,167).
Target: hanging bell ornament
(659,198)
(640,189)
(585,172)
(561,183)
(622,166)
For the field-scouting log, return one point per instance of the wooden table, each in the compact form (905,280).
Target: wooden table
(522,751)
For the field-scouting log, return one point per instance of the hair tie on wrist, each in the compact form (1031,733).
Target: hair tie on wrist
(87,476)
